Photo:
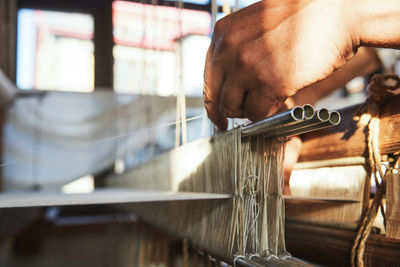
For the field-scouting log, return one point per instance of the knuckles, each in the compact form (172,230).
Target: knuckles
(244,58)
(228,112)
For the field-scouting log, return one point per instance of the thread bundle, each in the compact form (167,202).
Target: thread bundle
(251,222)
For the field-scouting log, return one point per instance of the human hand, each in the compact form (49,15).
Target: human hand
(268,51)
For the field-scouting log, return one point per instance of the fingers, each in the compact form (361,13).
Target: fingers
(213,79)
(260,104)
(232,98)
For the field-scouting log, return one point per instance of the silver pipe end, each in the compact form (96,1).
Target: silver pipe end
(308,111)
(298,113)
(278,120)
(334,118)
(323,114)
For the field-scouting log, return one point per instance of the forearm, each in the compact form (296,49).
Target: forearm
(377,22)
(363,63)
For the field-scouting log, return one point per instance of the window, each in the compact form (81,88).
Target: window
(147,51)
(55,51)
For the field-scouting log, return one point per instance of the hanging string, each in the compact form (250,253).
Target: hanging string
(236,6)
(36,150)
(181,128)
(214,11)
(143,89)
(226,8)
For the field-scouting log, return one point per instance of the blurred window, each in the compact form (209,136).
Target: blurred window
(147,50)
(55,51)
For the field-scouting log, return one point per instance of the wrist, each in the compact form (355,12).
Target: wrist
(375,22)
(352,19)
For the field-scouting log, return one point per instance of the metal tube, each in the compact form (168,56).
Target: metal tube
(308,111)
(256,261)
(321,115)
(288,117)
(334,119)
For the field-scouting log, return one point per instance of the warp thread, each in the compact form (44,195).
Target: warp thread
(251,222)
(380,88)
(259,204)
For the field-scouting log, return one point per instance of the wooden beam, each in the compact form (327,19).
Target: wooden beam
(103,45)
(8,33)
(348,140)
(86,5)
(393,206)
(332,247)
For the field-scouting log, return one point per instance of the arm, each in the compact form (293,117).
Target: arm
(378,22)
(269,51)
(363,63)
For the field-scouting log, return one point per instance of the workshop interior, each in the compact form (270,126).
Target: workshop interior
(108,157)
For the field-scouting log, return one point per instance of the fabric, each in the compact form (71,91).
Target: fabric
(52,140)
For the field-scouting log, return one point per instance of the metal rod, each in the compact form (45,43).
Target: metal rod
(294,115)
(256,261)
(321,115)
(308,111)
(334,119)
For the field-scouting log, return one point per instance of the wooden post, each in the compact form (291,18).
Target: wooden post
(8,33)
(393,206)
(103,45)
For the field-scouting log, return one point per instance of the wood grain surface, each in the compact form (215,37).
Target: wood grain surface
(348,140)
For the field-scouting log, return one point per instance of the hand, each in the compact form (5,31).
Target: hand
(268,51)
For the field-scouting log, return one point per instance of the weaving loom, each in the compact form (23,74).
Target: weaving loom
(235,179)
(178,191)
(220,195)
(241,163)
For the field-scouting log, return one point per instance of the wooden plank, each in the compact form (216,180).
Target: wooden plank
(8,33)
(103,45)
(87,5)
(100,196)
(393,206)
(2,115)
(13,221)
(332,247)
(347,140)
(327,182)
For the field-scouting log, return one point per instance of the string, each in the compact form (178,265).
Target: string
(181,101)
(36,149)
(116,137)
